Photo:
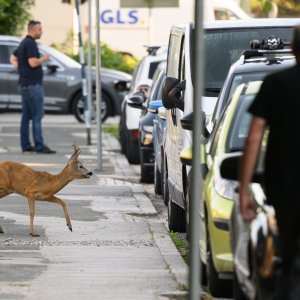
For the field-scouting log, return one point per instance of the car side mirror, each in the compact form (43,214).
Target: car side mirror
(122,86)
(52,68)
(136,100)
(187,123)
(154,106)
(171,93)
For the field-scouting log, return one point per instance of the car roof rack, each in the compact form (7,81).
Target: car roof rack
(152,50)
(269,48)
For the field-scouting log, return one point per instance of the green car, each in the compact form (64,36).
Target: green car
(218,193)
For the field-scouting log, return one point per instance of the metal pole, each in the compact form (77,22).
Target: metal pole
(195,264)
(89,74)
(83,76)
(98,89)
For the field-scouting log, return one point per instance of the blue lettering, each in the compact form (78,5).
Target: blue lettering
(106,17)
(119,20)
(133,18)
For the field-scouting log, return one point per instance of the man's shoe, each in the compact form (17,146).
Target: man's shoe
(30,149)
(46,150)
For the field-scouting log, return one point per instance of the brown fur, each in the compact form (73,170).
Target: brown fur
(40,185)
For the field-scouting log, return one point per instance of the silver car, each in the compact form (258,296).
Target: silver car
(62,83)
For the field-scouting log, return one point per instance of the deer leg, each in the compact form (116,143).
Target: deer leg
(54,199)
(1,230)
(31,203)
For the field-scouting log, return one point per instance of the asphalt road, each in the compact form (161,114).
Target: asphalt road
(119,247)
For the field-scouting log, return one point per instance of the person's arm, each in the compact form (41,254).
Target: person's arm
(251,150)
(35,62)
(14,61)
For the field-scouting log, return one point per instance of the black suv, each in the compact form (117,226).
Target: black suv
(62,83)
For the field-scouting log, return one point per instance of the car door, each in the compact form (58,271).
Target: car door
(4,70)
(55,84)
(173,70)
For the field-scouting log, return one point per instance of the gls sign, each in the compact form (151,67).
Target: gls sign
(124,17)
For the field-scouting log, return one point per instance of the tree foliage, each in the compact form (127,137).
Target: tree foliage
(287,8)
(13,15)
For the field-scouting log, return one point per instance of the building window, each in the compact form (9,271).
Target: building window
(154,3)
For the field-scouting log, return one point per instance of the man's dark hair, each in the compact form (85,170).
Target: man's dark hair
(32,23)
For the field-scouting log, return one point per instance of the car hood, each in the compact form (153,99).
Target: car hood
(113,75)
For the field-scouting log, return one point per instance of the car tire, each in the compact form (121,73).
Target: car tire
(237,291)
(157,180)
(165,187)
(217,287)
(176,216)
(132,152)
(122,136)
(78,108)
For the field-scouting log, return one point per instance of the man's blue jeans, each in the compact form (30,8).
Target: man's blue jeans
(32,109)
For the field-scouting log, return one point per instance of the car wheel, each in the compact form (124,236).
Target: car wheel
(122,136)
(237,291)
(78,108)
(146,177)
(132,151)
(176,216)
(165,188)
(157,180)
(217,287)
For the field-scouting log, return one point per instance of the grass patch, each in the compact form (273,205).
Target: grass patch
(112,129)
(181,244)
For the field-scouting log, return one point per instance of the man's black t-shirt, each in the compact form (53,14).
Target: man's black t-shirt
(28,75)
(278,102)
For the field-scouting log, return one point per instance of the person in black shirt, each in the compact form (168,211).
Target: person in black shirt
(28,62)
(277,106)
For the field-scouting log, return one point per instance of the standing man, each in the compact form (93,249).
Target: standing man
(28,62)
(277,106)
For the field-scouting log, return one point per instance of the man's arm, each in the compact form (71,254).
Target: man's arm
(251,150)
(14,61)
(35,62)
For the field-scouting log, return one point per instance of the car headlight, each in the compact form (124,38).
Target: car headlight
(225,188)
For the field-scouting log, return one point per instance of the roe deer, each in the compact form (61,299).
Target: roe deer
(40,185)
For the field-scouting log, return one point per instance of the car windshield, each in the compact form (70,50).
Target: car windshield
(240,125)
(224,46)
(62,58)
(244,78)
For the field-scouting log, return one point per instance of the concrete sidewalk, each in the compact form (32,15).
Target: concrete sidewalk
(119,248)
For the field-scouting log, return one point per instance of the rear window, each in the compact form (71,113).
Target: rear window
(224,46)
(152,68)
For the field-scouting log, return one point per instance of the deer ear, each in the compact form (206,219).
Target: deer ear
(76,152)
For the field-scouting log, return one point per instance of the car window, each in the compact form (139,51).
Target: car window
(224,47)
(218,132)
(244,78)
(174,54)
(152,68)
(239,128)
(4,58)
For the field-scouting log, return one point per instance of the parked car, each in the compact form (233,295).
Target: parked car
(253,65)
(255,245)
(159,125)
(147,158)
(62,83)
(130,116)
(224,43)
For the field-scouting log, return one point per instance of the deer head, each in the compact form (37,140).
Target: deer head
(76,167)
